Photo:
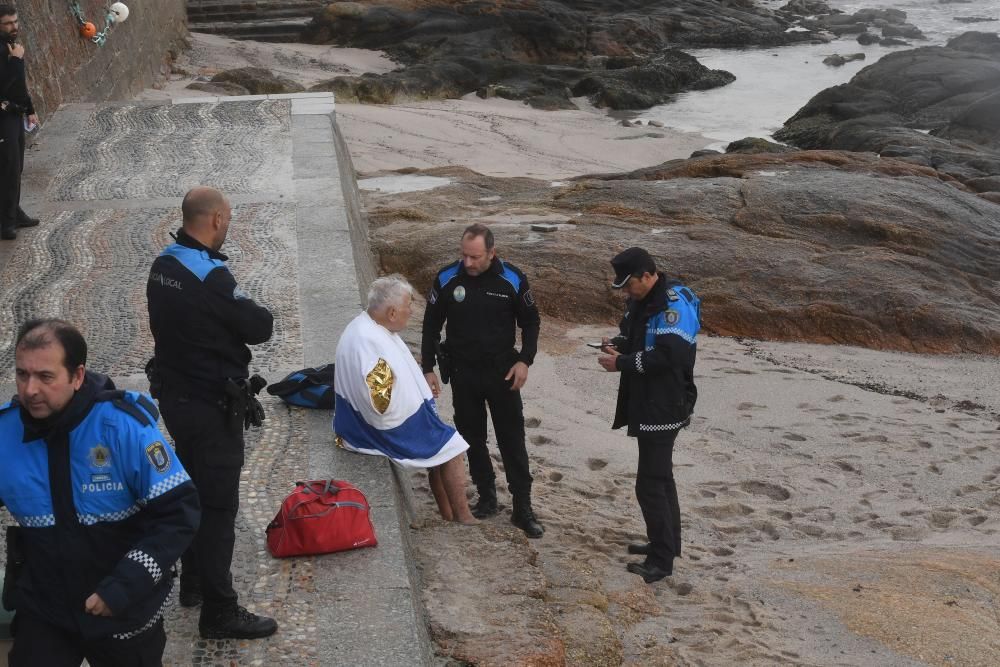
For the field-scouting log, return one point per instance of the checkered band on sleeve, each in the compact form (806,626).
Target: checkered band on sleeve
(91,519)
(638,362)
(37,521)
(149,624)
(674,330)
(167,483)
(148,562)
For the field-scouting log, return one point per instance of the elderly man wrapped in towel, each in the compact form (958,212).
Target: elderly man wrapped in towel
(384,405)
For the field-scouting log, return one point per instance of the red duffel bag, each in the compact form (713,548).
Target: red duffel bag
(320,517)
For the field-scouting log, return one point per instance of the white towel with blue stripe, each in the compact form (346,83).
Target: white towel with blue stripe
(383,404)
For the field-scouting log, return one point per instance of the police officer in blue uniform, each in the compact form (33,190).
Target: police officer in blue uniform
(655,353)
(103,510)
(484,300)
(202,323)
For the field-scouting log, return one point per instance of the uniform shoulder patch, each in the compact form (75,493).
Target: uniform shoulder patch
(158,456)
(125,403)
(672,317)
(512,275)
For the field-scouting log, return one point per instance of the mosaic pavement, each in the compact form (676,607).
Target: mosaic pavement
(107,181)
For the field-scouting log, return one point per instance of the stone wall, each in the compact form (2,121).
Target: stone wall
(65,67)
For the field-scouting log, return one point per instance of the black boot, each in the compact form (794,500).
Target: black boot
(236,623)
(487,504)
(524,517)
(25,220)
(8,233)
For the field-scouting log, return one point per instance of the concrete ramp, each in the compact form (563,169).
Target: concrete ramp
(107,182)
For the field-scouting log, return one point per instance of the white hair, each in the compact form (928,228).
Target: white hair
(388,291)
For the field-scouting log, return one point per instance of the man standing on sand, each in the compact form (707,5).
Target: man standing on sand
(16,111)
(484,300)
(202,323)
(655,354)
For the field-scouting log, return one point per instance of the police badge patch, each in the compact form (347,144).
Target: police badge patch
(673,317)
(459,294)
(100,456)
(157,455)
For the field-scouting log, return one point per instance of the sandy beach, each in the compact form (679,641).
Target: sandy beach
(840,506)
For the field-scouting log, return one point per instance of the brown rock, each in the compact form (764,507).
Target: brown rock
(822,246)
(258,81)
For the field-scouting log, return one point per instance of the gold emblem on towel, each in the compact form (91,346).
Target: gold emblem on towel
(380,381)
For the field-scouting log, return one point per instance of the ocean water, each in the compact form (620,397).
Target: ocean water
(773,83)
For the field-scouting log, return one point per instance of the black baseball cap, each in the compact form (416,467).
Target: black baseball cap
(631,262)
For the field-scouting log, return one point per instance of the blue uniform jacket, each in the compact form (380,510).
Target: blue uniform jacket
(201,320)
(657,392)
(104,506)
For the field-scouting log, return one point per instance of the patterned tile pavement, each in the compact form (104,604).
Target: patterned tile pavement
(113,176)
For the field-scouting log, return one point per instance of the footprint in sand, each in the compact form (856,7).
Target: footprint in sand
(750,406)
(532,422)
(596,464)
(736,371)
(845,466)
(555,476)
(759,488)
(795,437)
(836,399)
(540,440)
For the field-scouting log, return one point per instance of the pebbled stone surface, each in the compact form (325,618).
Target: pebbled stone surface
(107,182)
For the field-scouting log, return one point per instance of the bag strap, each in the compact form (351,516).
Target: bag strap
(329,487)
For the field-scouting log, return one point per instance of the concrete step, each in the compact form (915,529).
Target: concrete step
(277,30)
(250,8)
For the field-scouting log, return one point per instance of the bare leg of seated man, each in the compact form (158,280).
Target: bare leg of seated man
(452,477)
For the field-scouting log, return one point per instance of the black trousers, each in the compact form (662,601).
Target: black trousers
(212,454)
(11,165)
(657,495)
(472,389)
(39,643)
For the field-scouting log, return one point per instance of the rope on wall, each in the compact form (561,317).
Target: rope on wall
(116,13)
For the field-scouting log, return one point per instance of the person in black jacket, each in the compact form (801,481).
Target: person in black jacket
(655,353)
(484,300)
(202,323)
(102,505)
(16,109)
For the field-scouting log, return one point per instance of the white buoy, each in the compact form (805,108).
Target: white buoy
(119,11)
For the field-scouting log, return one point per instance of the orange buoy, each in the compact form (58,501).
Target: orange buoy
(88,30)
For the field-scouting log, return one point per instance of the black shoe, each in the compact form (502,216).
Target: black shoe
(237,623)
(27,221)
(189,598)
(524,518)
(487,504)
(640,549)
(8,233)
(649,573)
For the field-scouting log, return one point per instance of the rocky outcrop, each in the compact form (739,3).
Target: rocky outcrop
(818,16)
(933,106)
(822,246)
(257,81)
(621,53)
